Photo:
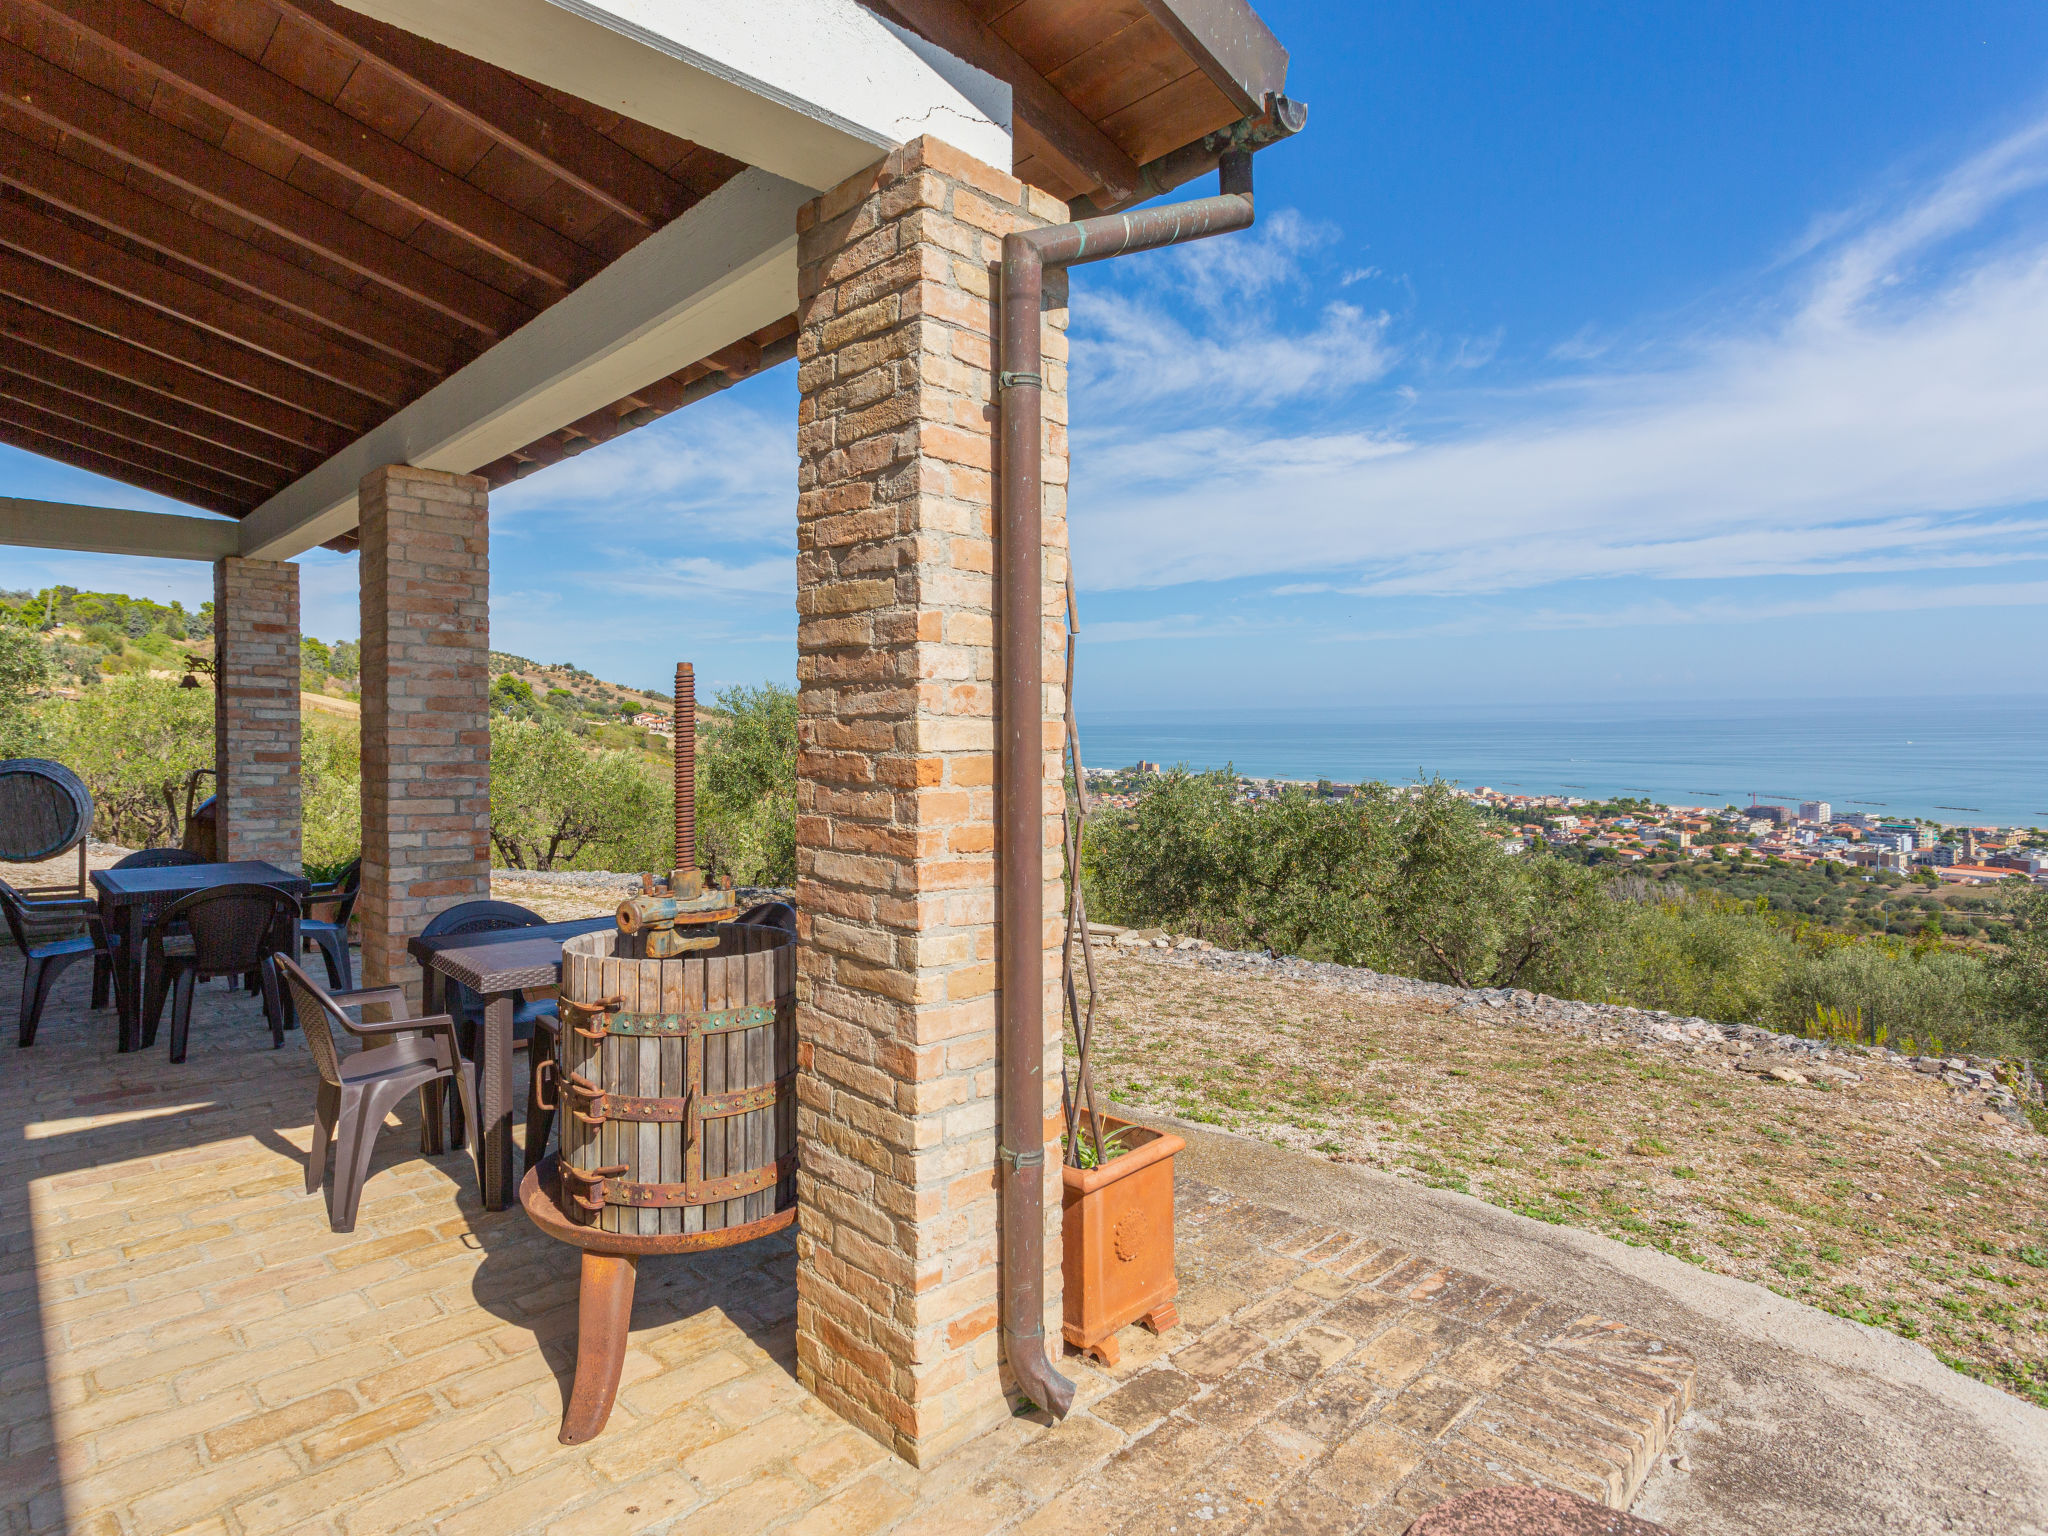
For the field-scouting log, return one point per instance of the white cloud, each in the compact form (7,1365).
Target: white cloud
(1893,416)
(1737,610)
(697,574)
(718,470)
(1134,344)
(1135,351)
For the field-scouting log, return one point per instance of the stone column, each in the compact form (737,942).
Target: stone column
(426,729)
(256,710)
(896,874)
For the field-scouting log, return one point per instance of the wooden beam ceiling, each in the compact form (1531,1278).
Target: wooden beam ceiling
(187,59)
(39,90)
(90,412)
(515,113)
(152,283)
(62,372)
(237,235)
(235,238)
(198,390)
(408,332)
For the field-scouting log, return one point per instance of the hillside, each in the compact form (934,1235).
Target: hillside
(90,635)
(566,685)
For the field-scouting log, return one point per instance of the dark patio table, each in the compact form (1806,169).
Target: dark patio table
(130,898)
(493,965)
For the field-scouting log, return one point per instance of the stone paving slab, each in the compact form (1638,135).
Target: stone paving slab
(187,1348)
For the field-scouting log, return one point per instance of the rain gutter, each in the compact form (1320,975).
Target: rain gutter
(1021,720)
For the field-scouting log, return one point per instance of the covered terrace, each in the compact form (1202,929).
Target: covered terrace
(331,274)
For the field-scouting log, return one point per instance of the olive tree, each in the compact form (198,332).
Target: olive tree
(24,674)
(552,800)
(746,787)
(135,741)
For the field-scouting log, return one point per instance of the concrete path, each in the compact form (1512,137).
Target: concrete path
(1804,1424)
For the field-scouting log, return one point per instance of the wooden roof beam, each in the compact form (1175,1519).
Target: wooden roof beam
(114,530)
(1068,132)
(397,327)
(93,387)
(30,441)
(191,61)
(125,450)
(262,478)
(189,387)
(72,250)
(59,293)
(509,110)
(37,88)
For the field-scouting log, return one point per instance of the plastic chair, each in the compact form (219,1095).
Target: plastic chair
(331,934)
(537,1022)
(468,1008)
(46,933)
(771,914)
(228,930)
(359,1090)
(144,858)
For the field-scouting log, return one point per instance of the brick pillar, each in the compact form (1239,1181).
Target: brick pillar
(896,872)
(426,729)
(256,709)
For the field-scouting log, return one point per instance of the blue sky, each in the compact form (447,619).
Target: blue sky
(1632,352)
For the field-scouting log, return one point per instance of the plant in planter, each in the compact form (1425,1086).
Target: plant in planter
(1117,1179)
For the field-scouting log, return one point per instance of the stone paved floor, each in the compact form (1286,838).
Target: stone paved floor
(187,1348)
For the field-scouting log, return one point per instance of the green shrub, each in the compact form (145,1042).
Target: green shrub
(1399,881)
(331,793)
(1409,882)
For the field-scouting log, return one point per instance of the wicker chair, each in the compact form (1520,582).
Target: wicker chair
(331,933)
(47,932)
(537,1022)
(357,1091)
(226,930)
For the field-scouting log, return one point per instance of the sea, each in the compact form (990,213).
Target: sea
(1974,762)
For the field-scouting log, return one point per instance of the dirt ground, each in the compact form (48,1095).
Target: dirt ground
(1894,1200)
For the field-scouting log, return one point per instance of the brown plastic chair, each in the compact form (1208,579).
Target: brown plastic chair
(223,930)
(357,1091)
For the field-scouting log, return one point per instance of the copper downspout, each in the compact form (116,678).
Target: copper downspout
(1021,703)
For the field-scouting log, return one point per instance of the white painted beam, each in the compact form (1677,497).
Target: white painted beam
(812,90)
(723,269)
(116,530)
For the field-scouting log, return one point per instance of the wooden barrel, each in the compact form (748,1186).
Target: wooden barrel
(45,810)
(677,1085)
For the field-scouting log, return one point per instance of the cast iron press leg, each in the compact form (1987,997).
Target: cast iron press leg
(604,1308)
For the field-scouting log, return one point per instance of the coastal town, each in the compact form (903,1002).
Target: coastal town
(1793,834)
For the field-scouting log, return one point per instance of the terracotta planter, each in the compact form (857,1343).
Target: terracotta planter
(1117,1232)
